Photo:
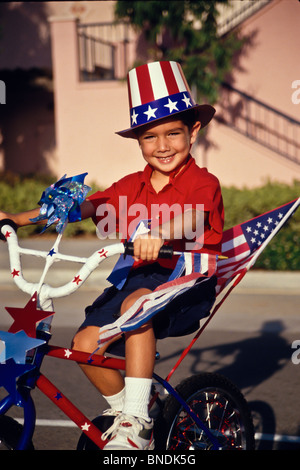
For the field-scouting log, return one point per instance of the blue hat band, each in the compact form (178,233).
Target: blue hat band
(161,108)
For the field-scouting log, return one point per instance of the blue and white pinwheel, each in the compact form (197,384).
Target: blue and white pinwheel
(61,201)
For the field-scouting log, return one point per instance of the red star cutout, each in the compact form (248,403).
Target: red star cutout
(7,235)
(77,279)
(15,273)
(27,317)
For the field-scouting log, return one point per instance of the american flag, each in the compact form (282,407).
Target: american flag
(243,243)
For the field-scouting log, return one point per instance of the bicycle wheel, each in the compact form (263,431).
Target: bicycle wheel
(10,433)
(219,405)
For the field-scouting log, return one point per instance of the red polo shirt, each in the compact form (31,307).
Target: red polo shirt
(122,205)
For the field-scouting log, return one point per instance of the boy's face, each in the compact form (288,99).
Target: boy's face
(165,146)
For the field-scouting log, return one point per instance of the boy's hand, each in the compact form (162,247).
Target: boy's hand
(146,248)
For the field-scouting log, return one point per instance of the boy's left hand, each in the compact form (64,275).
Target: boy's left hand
(147,248)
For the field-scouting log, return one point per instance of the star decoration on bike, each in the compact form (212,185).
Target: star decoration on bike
(26,318)
(9,373)
(17,345)
(61,201)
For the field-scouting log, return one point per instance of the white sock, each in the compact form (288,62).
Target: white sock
(116,402)
(137,396)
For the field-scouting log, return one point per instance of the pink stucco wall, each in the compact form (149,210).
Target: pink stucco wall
(265,71)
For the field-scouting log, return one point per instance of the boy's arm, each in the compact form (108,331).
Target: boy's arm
(23,218)
(187,225)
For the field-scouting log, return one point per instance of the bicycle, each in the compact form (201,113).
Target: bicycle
(204,412)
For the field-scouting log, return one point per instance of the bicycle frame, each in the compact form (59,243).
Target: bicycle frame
(35,378)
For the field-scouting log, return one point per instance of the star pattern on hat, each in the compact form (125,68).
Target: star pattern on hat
(150,113)
(172,105)
(134,117)
(187,101)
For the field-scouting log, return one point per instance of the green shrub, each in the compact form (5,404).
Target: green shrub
(18,193)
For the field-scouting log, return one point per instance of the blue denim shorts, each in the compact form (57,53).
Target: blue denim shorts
(180,317)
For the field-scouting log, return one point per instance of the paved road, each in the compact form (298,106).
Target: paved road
(249,340)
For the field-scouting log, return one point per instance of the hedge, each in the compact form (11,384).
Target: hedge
(20,193)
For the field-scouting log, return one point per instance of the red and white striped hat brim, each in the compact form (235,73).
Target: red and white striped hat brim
(158,90)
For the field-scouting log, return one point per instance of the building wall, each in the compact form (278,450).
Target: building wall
(265,71)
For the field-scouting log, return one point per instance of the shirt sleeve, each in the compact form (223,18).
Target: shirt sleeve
(106,210)
(208,192)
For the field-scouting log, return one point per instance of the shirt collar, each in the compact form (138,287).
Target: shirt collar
(146,175)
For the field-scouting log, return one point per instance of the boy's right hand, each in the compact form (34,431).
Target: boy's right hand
(147,248)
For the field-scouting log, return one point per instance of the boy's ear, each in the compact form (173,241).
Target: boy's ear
(194,131)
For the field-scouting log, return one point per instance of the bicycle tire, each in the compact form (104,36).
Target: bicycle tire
(10,433)
(218,403)
(102,423)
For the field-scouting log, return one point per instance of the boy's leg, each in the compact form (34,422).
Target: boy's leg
(107,381)
(133,428)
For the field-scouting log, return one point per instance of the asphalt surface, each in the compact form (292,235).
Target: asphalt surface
(249,340)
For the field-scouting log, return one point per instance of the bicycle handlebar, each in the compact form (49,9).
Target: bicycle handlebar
(166,251)
(8,233)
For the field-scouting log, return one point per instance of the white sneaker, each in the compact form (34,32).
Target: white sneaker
(110,412)
(129,433)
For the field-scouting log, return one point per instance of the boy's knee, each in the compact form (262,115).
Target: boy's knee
(132,298)
(85,340)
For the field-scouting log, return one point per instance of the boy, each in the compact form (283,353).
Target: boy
(165,121)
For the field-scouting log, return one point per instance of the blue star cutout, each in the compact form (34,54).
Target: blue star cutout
(9,373)
(58,396)
(51,252)
(17,345)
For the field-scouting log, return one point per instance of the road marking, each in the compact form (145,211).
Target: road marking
(258,436)
(277,438)
(51,422)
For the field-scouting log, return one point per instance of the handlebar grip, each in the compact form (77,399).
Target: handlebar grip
(165,251)
(7,222)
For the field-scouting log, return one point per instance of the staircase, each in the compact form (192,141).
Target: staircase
(262,123)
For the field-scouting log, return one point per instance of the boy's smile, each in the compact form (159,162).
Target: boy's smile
(166,146)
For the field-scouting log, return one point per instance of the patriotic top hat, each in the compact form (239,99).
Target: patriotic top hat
(158,90)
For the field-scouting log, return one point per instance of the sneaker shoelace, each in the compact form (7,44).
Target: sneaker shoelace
(121,423)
